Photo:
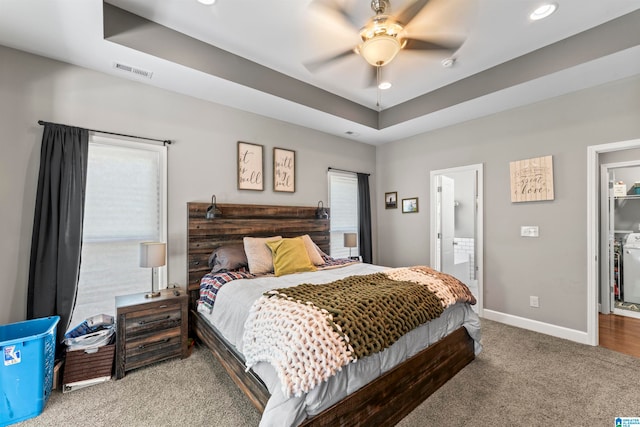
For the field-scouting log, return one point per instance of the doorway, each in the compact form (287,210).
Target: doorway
(594,154)
(620,250)
(457,226)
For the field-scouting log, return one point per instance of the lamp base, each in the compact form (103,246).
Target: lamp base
(152,294)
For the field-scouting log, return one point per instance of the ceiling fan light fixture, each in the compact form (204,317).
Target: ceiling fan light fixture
(380,50)
(384,85)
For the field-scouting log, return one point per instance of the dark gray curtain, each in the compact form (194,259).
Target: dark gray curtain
(364,218)
(57,225)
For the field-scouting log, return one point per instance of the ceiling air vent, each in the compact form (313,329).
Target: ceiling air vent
(129,69)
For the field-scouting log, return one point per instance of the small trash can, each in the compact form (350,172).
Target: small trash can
(26,373)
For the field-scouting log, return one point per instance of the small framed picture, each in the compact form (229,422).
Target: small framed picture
(284,170)
(250,166)
(410,205)
(391,200)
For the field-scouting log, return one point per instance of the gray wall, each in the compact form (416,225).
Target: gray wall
(553,266)
(201,162)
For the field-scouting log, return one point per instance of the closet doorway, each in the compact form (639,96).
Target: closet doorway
(598,241)
(620,250)
(457,225)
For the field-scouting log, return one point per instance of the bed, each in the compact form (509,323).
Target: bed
(378,390)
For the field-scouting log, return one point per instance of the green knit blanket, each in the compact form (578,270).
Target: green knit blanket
(373,311)
(308,332)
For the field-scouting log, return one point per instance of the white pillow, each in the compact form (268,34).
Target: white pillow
(312,250)
(259,255)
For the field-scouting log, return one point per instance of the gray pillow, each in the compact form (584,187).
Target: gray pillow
(228,258)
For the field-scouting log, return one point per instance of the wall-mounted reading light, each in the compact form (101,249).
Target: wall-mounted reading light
(321,212)
(212,210)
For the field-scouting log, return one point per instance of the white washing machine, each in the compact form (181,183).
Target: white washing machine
(631,268)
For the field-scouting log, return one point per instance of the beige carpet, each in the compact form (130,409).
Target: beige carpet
(521,378)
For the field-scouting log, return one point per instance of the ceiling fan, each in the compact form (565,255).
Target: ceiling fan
(384,35)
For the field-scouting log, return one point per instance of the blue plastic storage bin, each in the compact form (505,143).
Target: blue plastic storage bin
(26,371)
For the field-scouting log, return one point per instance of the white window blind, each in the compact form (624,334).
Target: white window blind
(343,201)
(125,204)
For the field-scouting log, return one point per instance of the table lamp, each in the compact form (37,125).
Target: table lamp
(350,241)
(153,255)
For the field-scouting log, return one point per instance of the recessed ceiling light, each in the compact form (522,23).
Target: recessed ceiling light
(207,2)
(384,85)
(448,62)
(543,11)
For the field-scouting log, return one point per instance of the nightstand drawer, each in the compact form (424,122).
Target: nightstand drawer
(143,352)
(150,342)
(146,321)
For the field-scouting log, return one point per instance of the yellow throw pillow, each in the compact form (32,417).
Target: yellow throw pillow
(290,256)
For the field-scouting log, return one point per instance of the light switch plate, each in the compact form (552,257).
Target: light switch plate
(529,231)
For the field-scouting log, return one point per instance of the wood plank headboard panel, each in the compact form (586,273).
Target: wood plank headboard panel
(240,220)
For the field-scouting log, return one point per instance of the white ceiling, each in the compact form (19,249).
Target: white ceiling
(506,59)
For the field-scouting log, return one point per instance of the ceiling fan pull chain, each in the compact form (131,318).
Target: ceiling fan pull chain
(378,88)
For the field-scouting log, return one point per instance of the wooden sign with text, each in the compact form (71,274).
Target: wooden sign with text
(284,170)
(532,179)
(250,166)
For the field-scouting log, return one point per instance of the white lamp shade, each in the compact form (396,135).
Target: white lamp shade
(350,240)
(153,254)
(380,50)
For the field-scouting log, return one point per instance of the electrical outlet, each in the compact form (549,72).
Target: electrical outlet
(534,301)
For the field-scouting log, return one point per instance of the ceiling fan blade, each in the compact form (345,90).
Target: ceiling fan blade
(314,66)
(415,44)
(333,6)
(406,15)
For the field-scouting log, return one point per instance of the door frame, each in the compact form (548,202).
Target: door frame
(593,229)
(605,246)
(479,226)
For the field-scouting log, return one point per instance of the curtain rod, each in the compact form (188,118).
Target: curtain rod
(164,141)
(342,170)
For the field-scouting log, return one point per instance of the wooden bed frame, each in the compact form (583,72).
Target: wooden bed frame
(384,401)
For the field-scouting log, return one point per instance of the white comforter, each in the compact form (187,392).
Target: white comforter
(231,310)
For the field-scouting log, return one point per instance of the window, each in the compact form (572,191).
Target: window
(343,200)
(125,204)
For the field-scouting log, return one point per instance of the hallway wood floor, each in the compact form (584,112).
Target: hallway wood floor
(620,333)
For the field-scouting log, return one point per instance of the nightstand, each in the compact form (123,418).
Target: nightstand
(150,329)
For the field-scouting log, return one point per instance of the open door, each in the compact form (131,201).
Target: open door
(456,225)
(446,234)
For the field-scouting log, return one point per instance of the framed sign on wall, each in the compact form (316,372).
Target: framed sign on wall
(284,170)
(250,166)
(532,179)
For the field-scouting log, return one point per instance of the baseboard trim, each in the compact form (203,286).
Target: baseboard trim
(537,326)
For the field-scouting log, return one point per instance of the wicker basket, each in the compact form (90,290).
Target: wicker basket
(80,365)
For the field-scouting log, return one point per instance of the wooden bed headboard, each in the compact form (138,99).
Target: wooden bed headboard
(238,221)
